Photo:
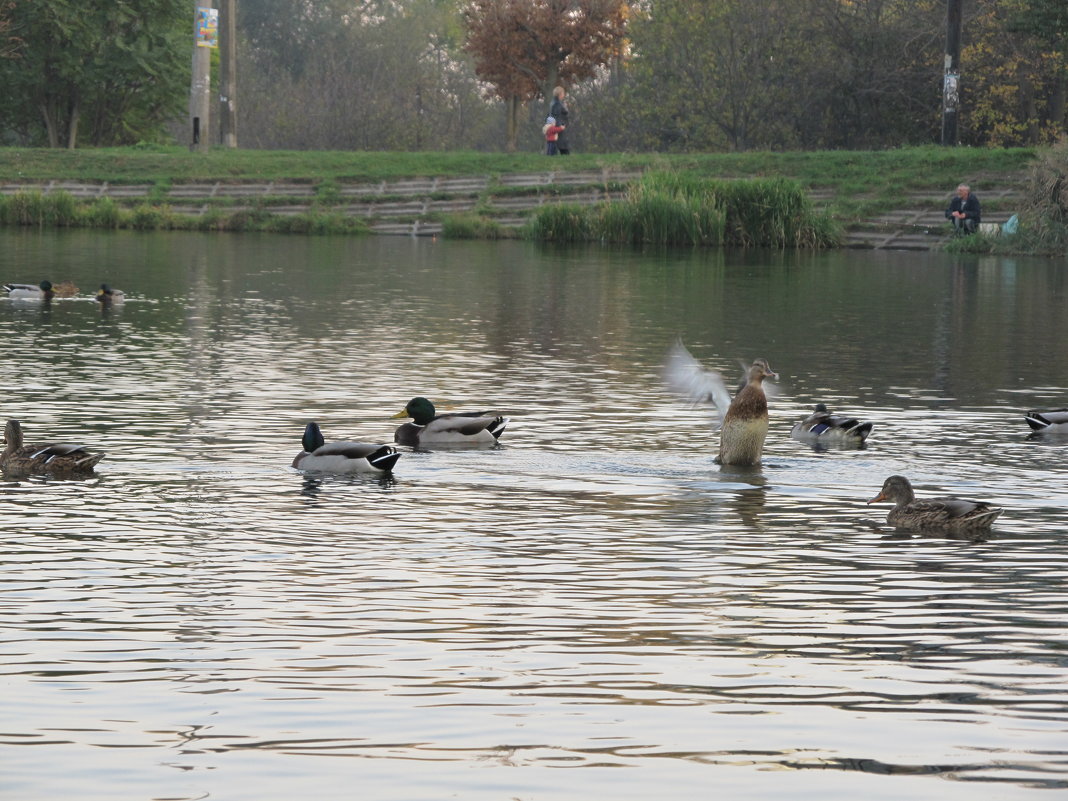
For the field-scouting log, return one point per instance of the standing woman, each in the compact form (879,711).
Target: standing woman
(558,110)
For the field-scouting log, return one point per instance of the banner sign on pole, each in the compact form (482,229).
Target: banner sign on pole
(207,27)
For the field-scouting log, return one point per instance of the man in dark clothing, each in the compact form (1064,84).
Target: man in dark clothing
(558,110)
(963,211)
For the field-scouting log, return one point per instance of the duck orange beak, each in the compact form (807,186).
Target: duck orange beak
(877,498)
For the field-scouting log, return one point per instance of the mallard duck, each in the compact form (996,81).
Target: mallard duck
(57,458)
(343,457)
(43,291)
(1051,422)
(460,428)
(108,296)
(950,514)
(743,421)
(823,428)
(65,289)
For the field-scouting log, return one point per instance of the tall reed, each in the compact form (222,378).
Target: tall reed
(681,209)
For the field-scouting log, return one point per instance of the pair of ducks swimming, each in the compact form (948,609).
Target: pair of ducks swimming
(744,427)
(47,291)
(427,429)
(64,459)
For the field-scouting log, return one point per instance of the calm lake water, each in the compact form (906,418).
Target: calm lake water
(595,609)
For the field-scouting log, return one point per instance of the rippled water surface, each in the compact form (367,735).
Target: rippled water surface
(595,609)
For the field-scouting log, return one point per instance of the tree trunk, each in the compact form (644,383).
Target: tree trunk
(1030,110)
(511,106)
(1059,102)
(72,123)
(50,124)
(552,78)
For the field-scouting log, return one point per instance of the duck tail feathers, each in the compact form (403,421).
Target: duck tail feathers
(497,426)
(1036,421)
(861,430)
(384,458)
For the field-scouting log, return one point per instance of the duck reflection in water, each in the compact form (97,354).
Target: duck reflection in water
(749,504)
(312,486)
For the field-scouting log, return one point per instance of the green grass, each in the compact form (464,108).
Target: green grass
(880,174)
(59,209)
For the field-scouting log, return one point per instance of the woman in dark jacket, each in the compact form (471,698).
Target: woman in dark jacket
(558,111)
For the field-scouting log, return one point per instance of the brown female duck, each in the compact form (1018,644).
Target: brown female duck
(744,423)
(949,514)
(57,458)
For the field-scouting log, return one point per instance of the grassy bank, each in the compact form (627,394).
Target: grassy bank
(850,187)
(853,179)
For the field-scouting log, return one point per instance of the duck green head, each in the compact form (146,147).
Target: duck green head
(419,409)
(313,438)
(46,286)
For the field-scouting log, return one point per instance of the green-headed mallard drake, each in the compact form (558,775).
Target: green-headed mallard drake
(343,457)
(948,514)
(107,296)
(56,458)
(42,291)
(743,421)
(460,428)
(823,428)
(1054,421)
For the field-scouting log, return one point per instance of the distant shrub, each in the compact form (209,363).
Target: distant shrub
(148,217)
(60,209)
(102,213)
(24,208)
(472,226)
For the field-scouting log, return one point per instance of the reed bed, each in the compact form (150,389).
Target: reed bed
(673,208)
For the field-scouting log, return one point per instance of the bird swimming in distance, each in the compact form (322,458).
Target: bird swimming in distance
(107,296)
(49,458)
(743,420)
(948,514)
(343,457)
(42,291)
(458,428)
(824,428)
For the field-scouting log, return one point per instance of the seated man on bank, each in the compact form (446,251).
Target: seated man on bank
(963,211)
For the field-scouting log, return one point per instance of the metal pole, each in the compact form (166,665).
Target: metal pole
(951,76)
(200,93)
(228,73)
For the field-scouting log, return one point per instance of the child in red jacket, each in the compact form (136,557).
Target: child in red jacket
(552,133)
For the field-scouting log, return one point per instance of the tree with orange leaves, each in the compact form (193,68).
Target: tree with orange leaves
(523,48)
